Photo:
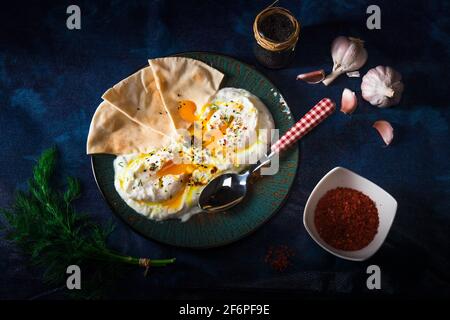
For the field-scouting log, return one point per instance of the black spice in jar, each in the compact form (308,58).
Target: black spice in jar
(276,33)
(276,27)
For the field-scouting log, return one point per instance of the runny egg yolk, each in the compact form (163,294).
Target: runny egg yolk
(174,202)
(175,169)
(186,110)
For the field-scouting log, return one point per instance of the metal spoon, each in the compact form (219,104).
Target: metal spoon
(227,190)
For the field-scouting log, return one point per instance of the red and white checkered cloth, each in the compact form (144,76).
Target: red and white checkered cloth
(312,118)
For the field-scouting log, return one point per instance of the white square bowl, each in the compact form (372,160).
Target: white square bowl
(385,203)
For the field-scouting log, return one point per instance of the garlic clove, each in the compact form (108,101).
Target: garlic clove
(385,130)
(356,55)
(338,48)
(312,77)
(349,102)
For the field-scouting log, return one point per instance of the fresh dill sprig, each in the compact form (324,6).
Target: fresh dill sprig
(44,224)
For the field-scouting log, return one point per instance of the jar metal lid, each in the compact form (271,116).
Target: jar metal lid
(270,44)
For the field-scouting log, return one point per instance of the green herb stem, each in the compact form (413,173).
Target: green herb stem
(110,255)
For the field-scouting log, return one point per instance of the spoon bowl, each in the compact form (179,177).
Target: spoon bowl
(224,192)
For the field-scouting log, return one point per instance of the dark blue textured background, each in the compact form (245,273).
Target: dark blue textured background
(51,80)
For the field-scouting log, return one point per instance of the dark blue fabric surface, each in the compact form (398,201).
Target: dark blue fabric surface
(51,80)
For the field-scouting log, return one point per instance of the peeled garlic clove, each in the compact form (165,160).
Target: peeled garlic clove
(385,130)
(382,87)
(349,102)
(312,77)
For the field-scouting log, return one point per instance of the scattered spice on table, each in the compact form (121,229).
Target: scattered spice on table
(346,219)
(279,257)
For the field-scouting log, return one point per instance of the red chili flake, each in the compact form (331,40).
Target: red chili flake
(279,257)
(346,219)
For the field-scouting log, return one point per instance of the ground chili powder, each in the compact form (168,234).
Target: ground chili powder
(346,219)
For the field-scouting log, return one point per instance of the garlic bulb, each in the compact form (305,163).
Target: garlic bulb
(348,55)
(382,87)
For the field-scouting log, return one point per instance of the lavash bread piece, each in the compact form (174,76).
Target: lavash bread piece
(138,97)
(179,78)
(134,117)
(112,132)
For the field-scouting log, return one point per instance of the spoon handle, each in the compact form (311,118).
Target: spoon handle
(312,118)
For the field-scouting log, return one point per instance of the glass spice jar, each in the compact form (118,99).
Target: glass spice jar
(276,32)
